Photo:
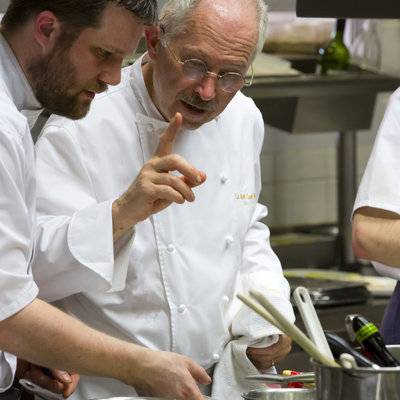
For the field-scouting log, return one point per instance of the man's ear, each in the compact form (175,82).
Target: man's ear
(152,35)
(47,28)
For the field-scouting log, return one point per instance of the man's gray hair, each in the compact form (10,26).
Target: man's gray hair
(176,13)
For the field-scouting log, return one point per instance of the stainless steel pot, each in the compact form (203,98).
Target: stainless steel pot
(280,394)
(359,383)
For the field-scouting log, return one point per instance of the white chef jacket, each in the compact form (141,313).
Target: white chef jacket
(186,262)
(380,185)
(17,197)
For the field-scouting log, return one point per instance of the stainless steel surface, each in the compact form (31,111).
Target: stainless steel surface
(358,384)
(347,188)
(348,8)
(313,103)
(280,394)
(306,377)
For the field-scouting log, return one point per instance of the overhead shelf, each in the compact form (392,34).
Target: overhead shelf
(387,9)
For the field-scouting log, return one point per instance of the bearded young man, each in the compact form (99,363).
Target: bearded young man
(58,54)
(188,261)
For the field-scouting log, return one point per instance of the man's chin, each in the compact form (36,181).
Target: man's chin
(192,124)
(78,111)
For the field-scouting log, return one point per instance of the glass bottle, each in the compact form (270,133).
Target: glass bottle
(370,339)
(335,56)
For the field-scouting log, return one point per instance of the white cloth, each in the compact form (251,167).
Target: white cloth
(17,197)
(187,261)
(229,379)
(380,185)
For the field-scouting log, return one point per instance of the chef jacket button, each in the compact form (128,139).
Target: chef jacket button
(182,308)
(225,299)
(170,248)
(215,357)
(223,178)
(229,240)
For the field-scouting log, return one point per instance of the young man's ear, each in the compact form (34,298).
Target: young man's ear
(47,28)
(152,35)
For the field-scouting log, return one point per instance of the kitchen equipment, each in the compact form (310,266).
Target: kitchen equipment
(326,293)
(339,346)
(39,391)
(348,322)
(358,384)
(348,361)
(311,321)
(306,377)
(280,394)
(266,310)
(378,286)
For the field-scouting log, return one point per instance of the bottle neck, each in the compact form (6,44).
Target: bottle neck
(340,25)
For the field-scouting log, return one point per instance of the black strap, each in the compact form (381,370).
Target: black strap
(39,124)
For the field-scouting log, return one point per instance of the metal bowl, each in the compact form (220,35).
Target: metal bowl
(280,394)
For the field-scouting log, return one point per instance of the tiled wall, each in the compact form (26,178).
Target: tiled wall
(299,173)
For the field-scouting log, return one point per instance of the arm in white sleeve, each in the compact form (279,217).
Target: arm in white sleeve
(17,288)
(376,219)
(75,251)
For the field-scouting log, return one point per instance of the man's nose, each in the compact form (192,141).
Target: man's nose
(111,75)
(206,88)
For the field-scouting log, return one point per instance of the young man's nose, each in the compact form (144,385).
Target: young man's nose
(111,75)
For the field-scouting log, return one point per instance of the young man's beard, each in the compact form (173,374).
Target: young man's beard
(52,78)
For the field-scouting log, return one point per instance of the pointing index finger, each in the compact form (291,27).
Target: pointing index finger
(167,139)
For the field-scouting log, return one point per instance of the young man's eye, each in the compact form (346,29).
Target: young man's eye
(103,54)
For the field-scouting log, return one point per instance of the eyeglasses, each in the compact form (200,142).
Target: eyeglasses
(196,70)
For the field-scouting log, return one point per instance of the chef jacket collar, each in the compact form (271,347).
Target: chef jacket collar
(150,114)
(15,81)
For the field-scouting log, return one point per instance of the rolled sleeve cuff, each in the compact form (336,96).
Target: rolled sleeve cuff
(90,240)
(19,297)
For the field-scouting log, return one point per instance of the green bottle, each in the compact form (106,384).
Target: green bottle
(335,56)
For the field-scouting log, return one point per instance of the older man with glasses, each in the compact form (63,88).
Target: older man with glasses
(188,261)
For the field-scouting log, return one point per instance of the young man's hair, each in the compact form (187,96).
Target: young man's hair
(75,15)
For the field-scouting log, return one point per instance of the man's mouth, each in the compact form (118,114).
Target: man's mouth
(193,108)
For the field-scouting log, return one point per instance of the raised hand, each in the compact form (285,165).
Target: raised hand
(155,188)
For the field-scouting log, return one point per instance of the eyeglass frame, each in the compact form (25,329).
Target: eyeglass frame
(206,72)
